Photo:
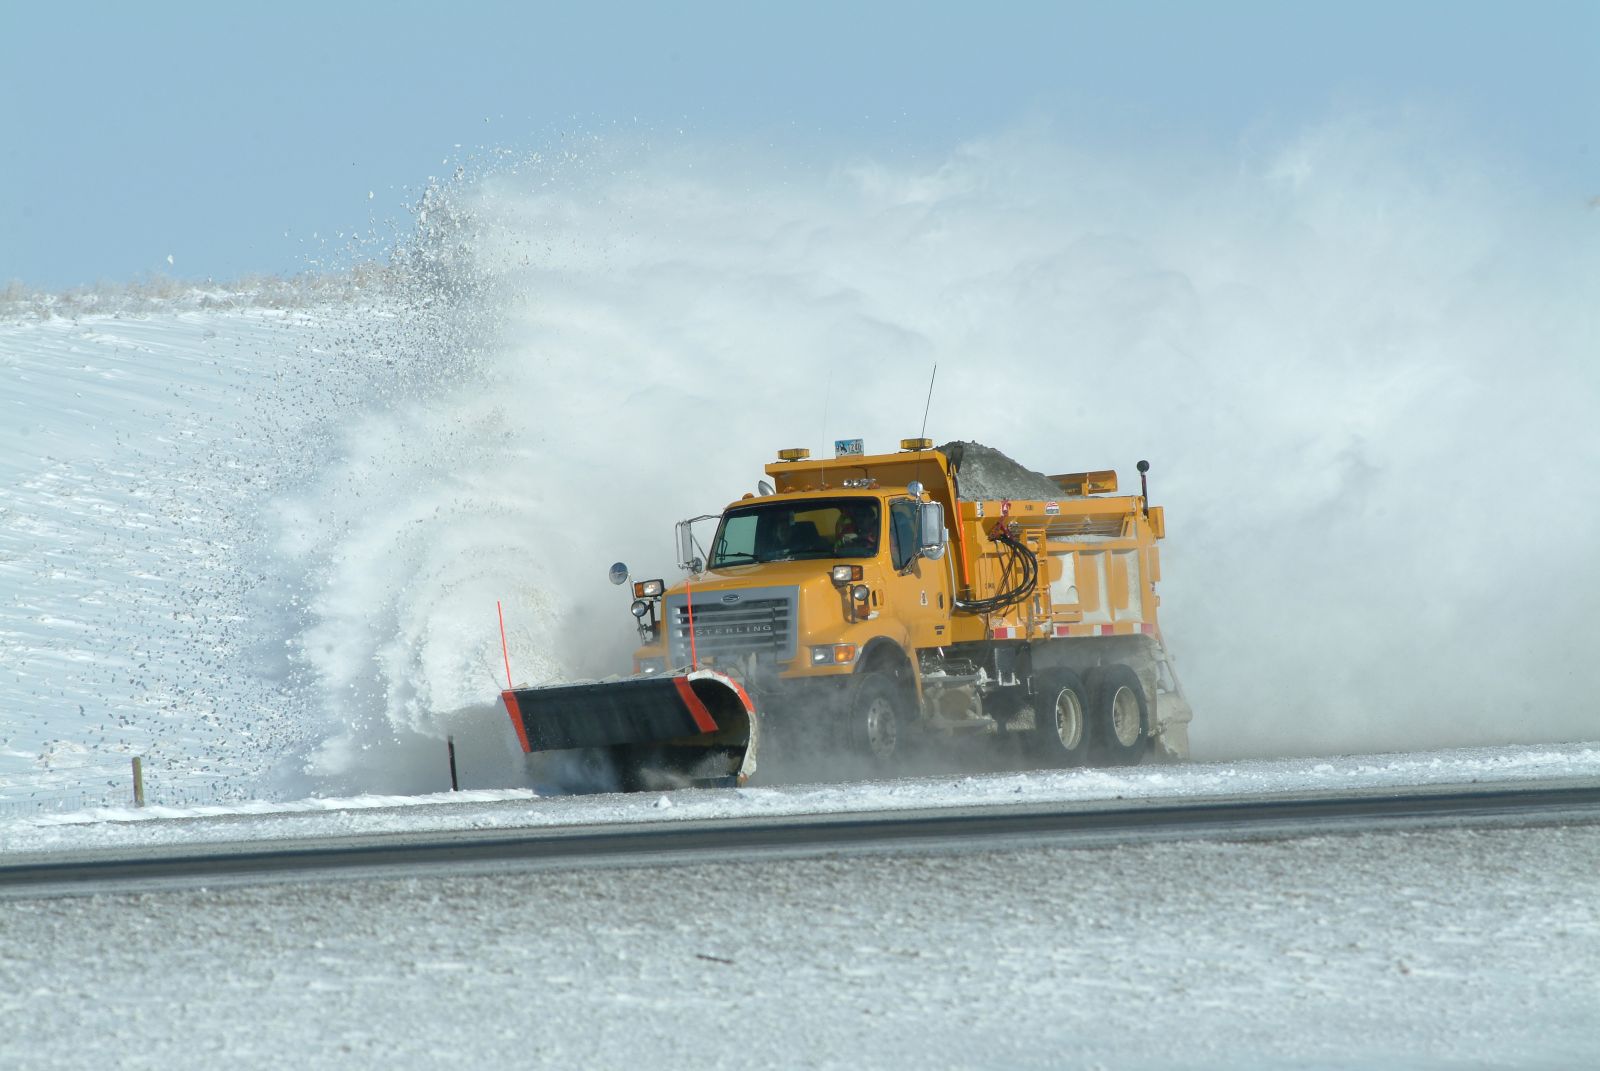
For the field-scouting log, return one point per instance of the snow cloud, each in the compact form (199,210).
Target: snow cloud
(1358,360)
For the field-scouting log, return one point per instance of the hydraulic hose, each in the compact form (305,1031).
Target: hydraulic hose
(1021,561)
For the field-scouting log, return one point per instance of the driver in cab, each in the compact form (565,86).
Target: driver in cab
(857,533)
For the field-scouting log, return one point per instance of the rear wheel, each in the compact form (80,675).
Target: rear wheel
(874,723)
(1061,719)
(1119,716)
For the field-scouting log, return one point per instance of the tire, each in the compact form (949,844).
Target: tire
(874,720)
(1119,716)
(1061,718)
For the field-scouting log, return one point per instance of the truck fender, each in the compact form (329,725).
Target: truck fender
(883,655)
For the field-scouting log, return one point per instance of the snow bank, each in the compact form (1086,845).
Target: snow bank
(156,825)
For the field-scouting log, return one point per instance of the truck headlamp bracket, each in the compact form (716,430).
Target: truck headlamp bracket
(843,574)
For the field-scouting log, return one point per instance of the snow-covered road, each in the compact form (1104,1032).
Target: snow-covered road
(1445,947)
(1450,948)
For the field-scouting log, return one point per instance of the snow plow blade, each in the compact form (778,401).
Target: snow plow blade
(698,726)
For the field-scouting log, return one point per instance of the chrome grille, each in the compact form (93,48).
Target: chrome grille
(761,621)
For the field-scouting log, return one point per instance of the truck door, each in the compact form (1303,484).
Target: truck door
(918,591)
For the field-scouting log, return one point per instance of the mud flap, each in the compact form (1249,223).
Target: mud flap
(701,711)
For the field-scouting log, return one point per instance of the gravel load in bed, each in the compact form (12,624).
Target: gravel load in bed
(986,474)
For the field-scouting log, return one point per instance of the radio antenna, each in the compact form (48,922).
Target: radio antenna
(926,406)
(923,433)
(827,396)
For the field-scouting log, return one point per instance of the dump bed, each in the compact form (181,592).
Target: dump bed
(1096,550)
(1097,566)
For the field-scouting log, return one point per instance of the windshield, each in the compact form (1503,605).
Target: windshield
(790,531)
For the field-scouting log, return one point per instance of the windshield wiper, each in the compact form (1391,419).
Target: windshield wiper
(724,558)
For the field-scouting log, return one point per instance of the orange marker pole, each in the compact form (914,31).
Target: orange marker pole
(504,650)
(688,594)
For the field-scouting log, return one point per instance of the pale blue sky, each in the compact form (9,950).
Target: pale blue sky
(206,132)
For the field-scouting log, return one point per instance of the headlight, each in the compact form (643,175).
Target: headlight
(860,592)
(833,654)
(647,666)
(639,608)
(648,589)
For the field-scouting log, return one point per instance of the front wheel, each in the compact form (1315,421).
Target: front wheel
(874,723)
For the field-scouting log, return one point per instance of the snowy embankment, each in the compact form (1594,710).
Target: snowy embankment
(139,456)
(261,547)
(221,552)
(124,827)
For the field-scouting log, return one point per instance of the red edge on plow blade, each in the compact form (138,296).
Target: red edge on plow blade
(700,706)
(516,718)
(697,710)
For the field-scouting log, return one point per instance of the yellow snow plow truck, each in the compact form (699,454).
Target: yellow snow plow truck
(859,605)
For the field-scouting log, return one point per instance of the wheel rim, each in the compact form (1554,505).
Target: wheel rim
(882,729)
(1125,716)
(1069,719)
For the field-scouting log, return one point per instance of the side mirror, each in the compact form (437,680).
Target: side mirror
(619,573)
(691,555)
(931,534)
(688,560)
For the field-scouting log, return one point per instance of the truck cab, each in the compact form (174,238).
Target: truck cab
(803,584)
(835,575)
